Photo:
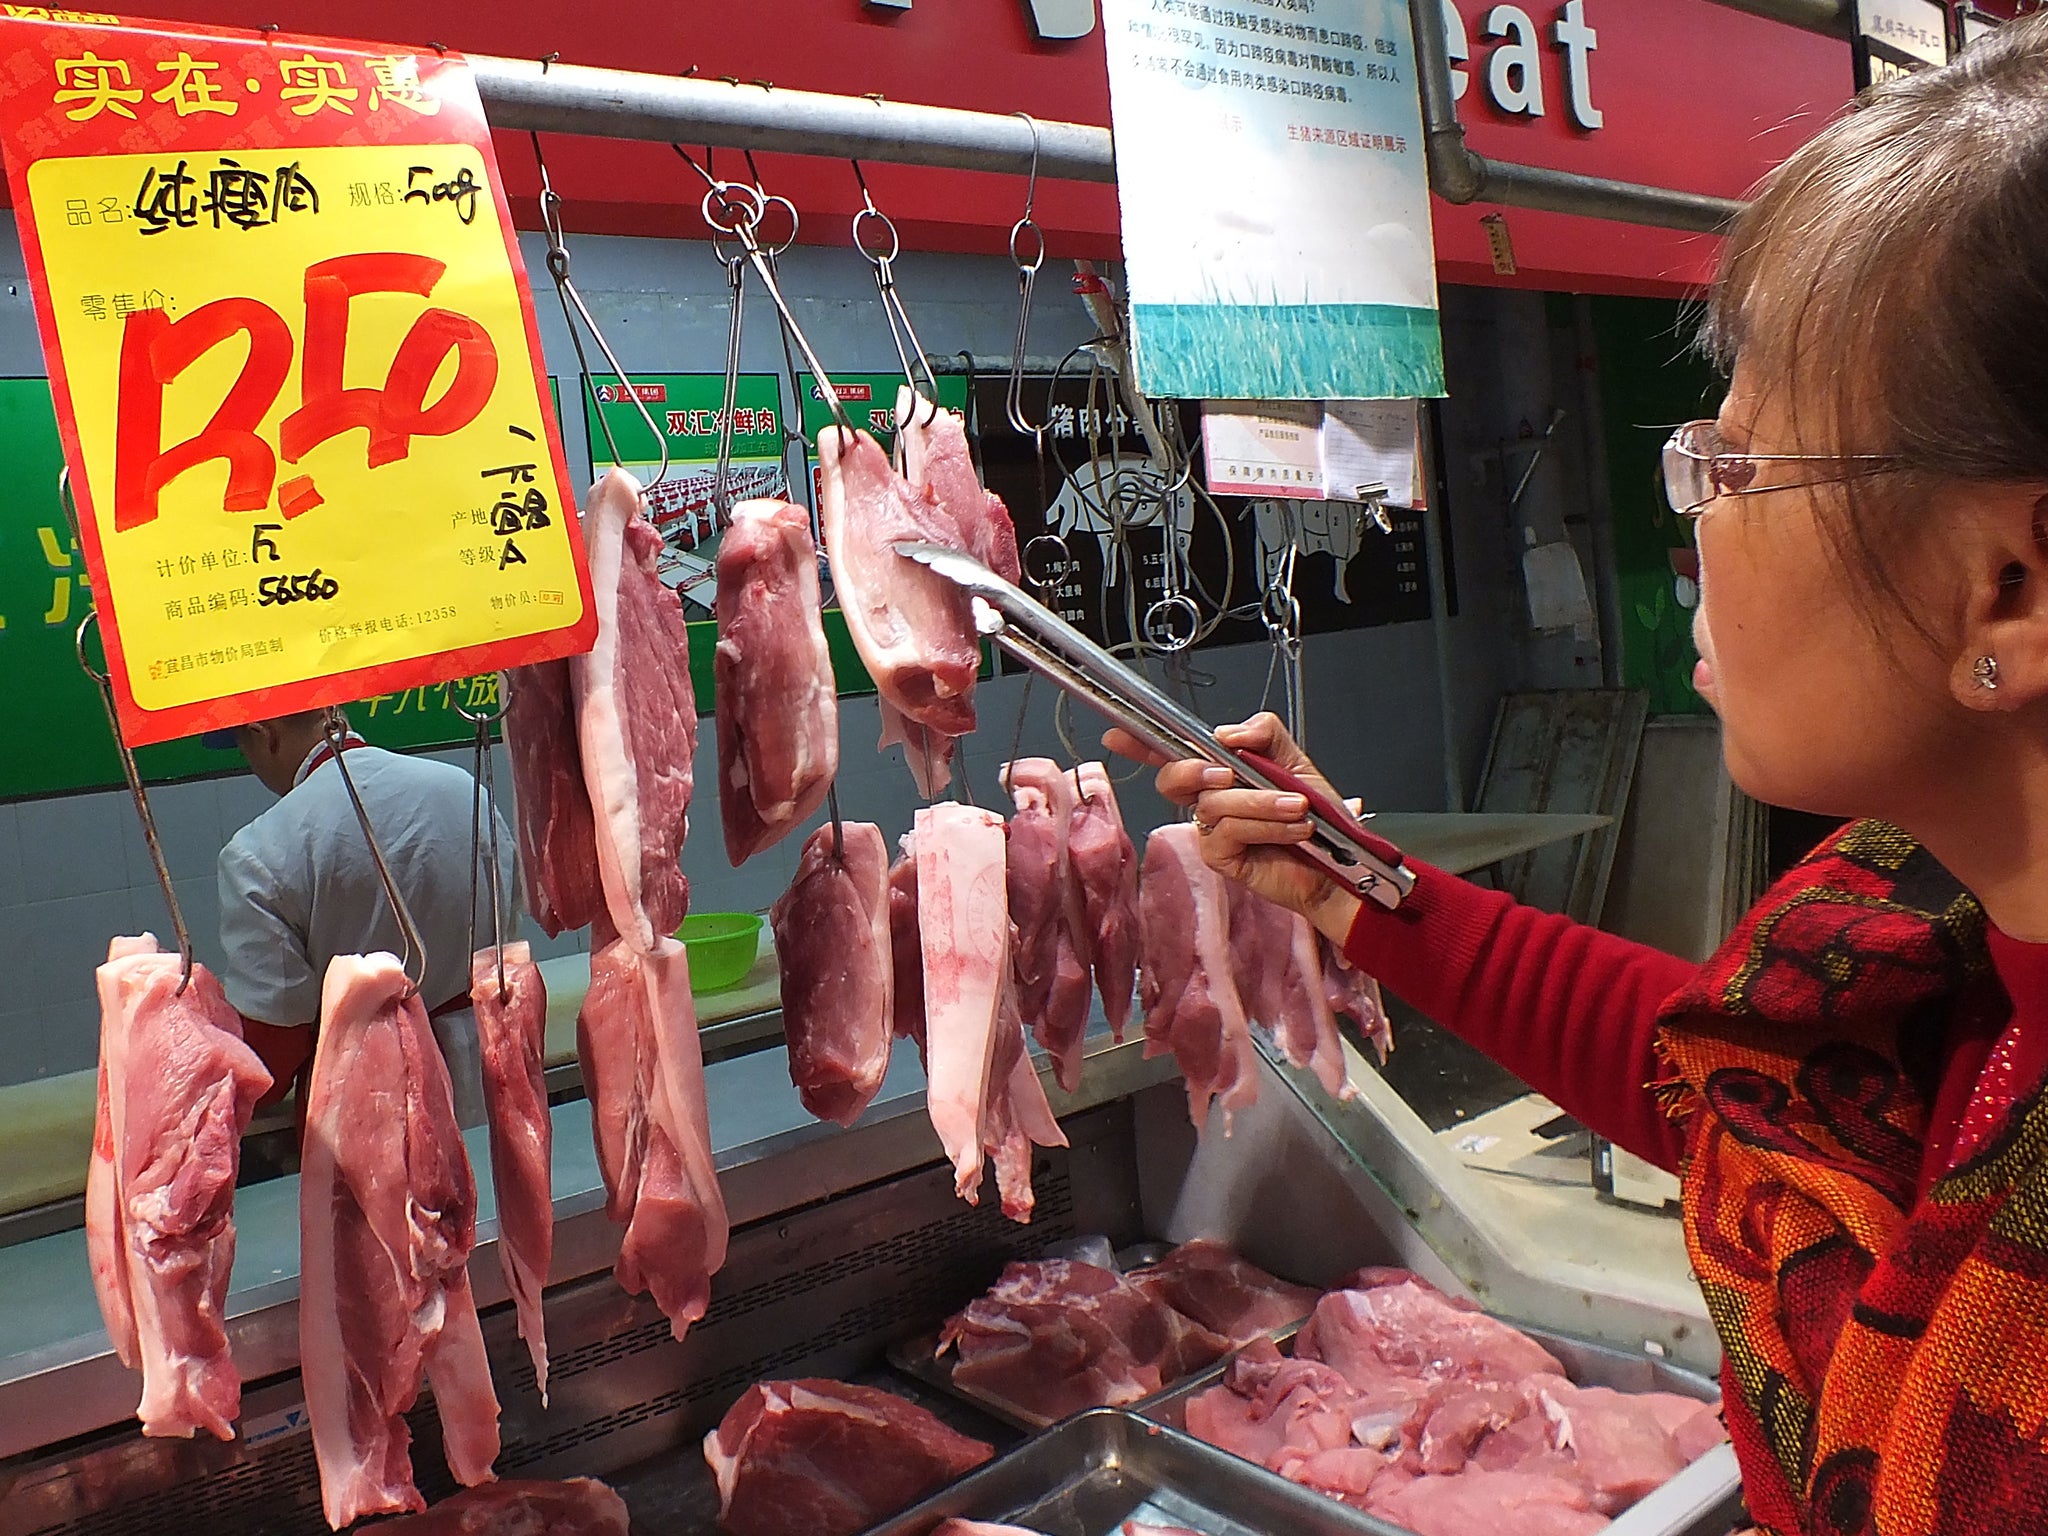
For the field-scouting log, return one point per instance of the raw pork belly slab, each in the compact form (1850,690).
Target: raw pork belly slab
(511,1029)
(557,832)
(1207,1282)
(1054,1336)
(936,458)
(177,1086)
(982,1092)
(832,943)
(1050,955)
(643,1069)
(1279,965)
(912,627)
(778,710)
(1188,985)
(387,1218)
(822,1458)
(1106,867)
(577,1506)
(636,718)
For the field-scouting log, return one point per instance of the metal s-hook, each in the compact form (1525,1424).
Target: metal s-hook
(484,804)
(909,350)
(335,728)
(1024,234)
(566,295)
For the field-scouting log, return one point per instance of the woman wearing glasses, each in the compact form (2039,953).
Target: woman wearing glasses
(1852,1090)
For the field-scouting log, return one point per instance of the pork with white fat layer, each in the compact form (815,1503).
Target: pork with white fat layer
(636,718)
(387,1219)
(177,1087)
(556,829)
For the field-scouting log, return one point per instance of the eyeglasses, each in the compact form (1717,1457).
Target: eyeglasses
(1698,468)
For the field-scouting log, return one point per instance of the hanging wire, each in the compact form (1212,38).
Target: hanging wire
(336,729)
(565,292)
(909,350)
(483,806)
(129,771)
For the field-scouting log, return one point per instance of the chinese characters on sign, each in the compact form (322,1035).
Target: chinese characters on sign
(1898,37)
(1275,201)
(295,333)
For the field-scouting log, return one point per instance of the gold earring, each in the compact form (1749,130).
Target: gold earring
(1986,672)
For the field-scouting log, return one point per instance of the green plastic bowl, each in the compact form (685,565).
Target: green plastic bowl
(722,947)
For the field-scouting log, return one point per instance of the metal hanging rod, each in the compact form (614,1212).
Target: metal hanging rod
(529,95)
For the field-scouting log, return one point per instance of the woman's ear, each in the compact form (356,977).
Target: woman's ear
(2002,662)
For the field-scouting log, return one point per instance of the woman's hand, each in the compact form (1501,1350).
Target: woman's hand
(1248,834)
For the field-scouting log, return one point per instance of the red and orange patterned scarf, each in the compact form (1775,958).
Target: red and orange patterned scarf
(1887,1359)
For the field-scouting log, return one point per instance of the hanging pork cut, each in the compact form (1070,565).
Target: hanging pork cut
(1105,865)
(912,627)
(643,1070)
(177,1086)
(1278,959)
(832,942)
(778,709)
(576,1506)
(511,1028)
(1049,958)
(557,835)
(827,1458)
(927,753)
(636,718)
(983,1094)
(1352,992)
(387,1218)
(906,947)
(936,458)
(1188,982)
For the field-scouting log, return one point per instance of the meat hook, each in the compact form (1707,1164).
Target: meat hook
(566,294)
(1024,230)
(484,802)
(901,332)
(336,729)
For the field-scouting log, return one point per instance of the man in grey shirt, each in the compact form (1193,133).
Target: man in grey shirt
(298,887)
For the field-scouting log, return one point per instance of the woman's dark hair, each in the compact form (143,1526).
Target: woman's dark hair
(1890,279)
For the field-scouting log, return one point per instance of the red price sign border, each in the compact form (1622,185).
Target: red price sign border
(120,110)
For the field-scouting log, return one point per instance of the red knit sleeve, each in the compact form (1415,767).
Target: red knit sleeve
(1570,1010)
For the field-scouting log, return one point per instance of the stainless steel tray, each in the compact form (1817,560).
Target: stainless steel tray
(1703,1500)
(1101,1468)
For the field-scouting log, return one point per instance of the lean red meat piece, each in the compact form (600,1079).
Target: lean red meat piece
(778,710)
(1279,964)
(1618,1443)
(832,942)
(557,833)
(177,1086)
(824,1458)
(906,948)
(576,1506)
(636,718)
(1054,1336)
(1498,1503)
(1188,985)
(1049,959)
(1206,1281)
(1411,1330)
(1106,867)
(511,1028)
(1350,991)
(387,1218)
(912,627)
(982,1092)
(643,1069)
(936,458)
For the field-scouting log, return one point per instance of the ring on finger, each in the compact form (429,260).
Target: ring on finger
(1204,827)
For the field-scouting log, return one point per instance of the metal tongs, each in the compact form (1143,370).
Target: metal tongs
(1043,641)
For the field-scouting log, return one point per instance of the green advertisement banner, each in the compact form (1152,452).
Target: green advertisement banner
(58,740)
(870,399)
